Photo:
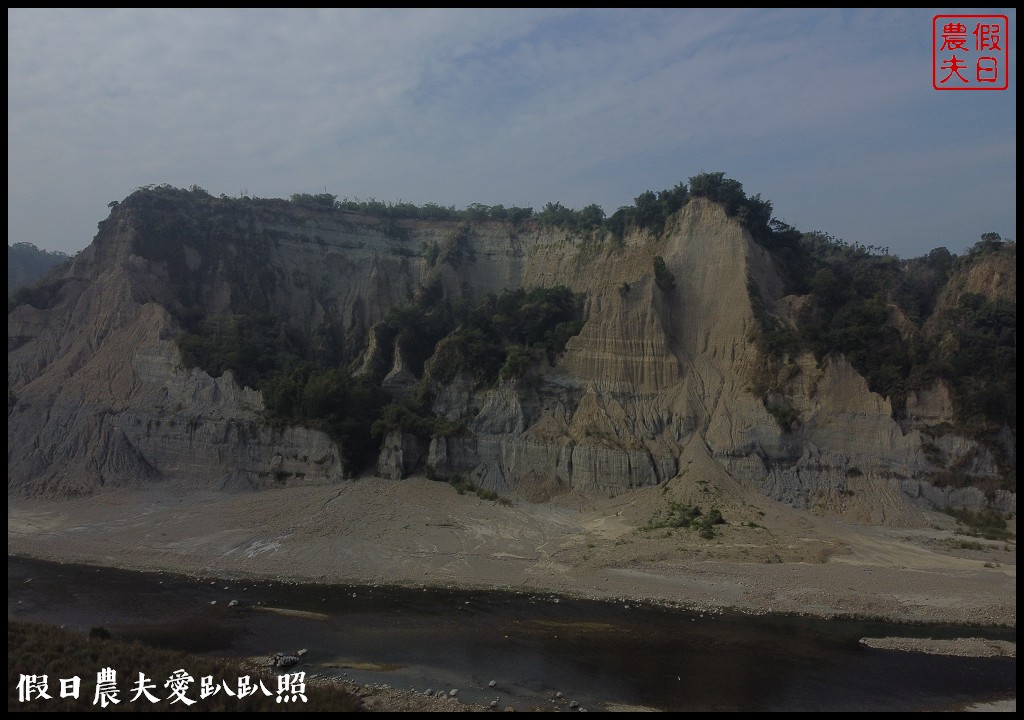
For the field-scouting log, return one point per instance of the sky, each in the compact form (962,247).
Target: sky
(830,114)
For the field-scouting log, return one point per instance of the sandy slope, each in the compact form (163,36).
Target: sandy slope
(416,531)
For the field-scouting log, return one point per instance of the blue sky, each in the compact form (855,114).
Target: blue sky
(830,114)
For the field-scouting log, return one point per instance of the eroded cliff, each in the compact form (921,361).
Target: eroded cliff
(658,382)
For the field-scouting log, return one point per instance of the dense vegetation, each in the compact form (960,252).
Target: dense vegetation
(852,295)
(691,517)
(884,315)
(505,334)
(986,523)
(27,264)
(650,210)
(500,338)
(408,211)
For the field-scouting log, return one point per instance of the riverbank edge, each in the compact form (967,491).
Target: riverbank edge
(553,595)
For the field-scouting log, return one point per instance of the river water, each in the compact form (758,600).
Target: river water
(532,645)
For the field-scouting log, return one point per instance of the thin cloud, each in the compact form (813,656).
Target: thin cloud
(511,106)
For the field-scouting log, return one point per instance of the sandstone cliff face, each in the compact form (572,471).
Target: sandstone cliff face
(98,394)
(101,398)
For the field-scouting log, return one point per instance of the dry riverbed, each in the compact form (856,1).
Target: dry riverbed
(415,532)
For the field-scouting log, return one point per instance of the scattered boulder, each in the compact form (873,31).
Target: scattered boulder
(281,660)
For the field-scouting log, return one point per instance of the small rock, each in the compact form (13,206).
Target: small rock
(558,695)
(428,692)
(573,704)
(492,683)
(494,703)
(213,602)
(302,652)
(453,692)
(233,603)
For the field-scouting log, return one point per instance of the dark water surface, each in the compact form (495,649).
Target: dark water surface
(533,645)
